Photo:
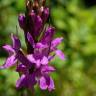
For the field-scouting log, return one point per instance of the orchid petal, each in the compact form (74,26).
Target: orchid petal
(38,24)
(43,84)
(48,36)
(27,80)
(31,58)
(40,46)
(31,81)
(60,54)
(22,68)
(46,82)
(51,85)
(47,69)
(9,62)
(21,82)
(8,48)
(51,57)
(44,61)
(38,63)
(16,42)
(56,42)
(30,39)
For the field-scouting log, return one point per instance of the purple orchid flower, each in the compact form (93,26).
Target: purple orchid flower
(48,39)
(36,74)
(33,67)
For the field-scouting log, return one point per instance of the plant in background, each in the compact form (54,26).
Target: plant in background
(33,66)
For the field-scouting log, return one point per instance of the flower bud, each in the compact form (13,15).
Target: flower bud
(21,19)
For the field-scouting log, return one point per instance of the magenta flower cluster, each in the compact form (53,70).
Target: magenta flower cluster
(33,66)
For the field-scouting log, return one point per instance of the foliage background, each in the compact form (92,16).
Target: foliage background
(75,20)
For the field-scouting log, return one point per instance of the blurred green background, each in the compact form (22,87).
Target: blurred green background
(75,20)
